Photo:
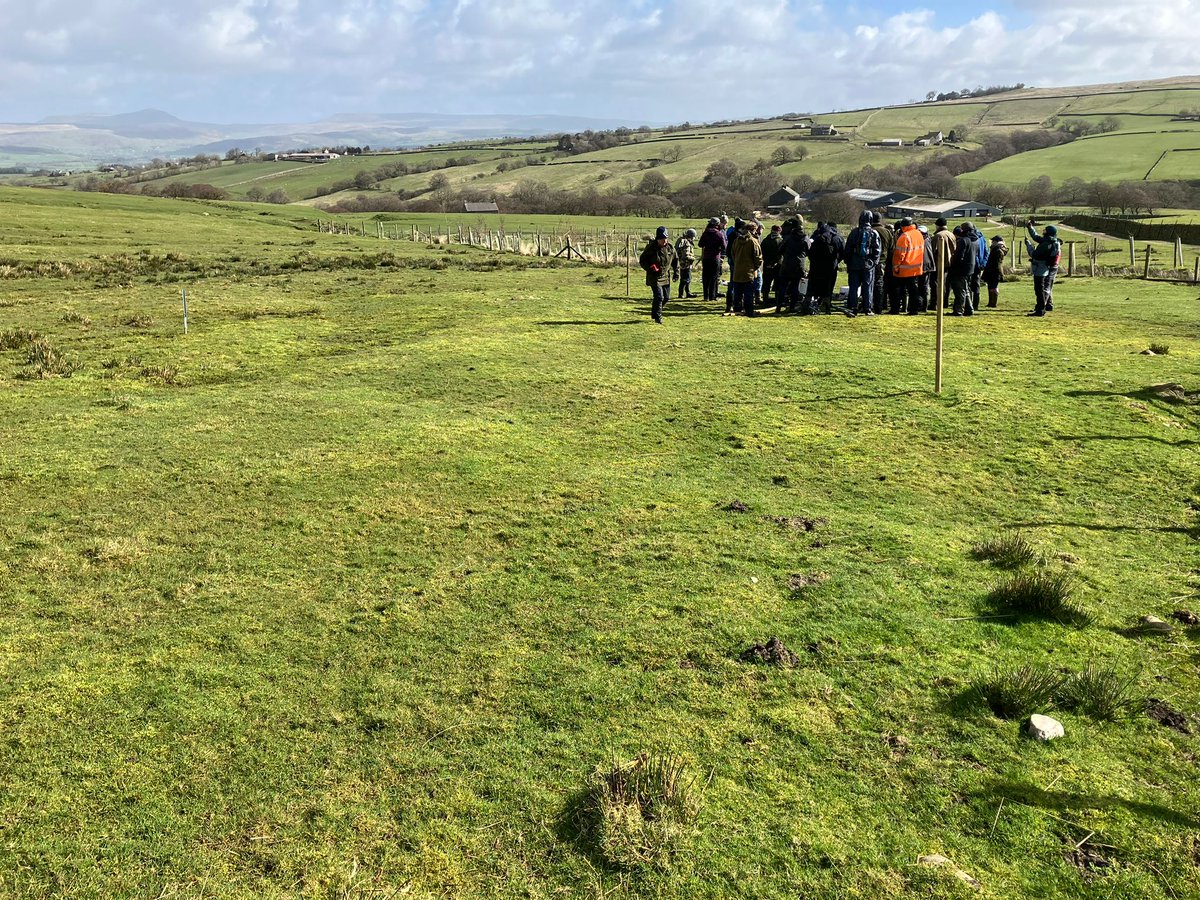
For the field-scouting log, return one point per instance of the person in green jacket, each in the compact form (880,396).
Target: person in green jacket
(685,249)
(747,261)
(660,263)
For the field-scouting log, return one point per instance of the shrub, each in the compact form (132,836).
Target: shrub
(1100,691)
(1008,551)
(76,318)
(636,813)
(1045,594)
(1160,349)
(1015,692)
(17,338)
(46,362)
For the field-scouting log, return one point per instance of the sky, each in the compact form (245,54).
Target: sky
(275,61)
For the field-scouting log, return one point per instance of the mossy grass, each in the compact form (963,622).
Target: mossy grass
(355,606)
(1103,692)
(1042,593)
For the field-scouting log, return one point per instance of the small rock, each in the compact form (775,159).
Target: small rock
(753,579)
(1149,353)
(1185,617)
(1154,624)
(1043,728)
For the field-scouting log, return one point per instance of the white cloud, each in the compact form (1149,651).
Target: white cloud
(638,59)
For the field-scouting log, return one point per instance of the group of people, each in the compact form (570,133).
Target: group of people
(895,270)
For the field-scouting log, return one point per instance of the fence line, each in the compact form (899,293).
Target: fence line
(609,247)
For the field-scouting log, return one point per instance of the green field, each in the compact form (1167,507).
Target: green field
(1111,157)
(347,591)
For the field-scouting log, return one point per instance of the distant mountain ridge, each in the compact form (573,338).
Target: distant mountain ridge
(79,140)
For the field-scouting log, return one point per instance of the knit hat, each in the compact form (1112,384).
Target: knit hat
(714,221)
(661,232)
(690,233)
(996,239)
(1052,231)
(940,223)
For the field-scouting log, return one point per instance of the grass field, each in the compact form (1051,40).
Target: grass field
(347,591)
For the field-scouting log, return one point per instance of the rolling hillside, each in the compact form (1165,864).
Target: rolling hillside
(1149,142)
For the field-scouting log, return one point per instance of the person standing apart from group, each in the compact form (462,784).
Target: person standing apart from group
(660,263)
(1043,259)
(712,252)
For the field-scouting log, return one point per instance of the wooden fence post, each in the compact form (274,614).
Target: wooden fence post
(1196,272)
(1070,258)
(626,265)
(1146,273)
(941,311)
(1178,252)
(1095,250)
(1132,253)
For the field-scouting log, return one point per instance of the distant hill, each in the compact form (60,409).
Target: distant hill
(75,141)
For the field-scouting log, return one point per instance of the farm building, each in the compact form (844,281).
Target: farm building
(824,131)
(878,199)
(932,208)
(488,207)
(312,157)
(933,139)
(886,142)
(784,198)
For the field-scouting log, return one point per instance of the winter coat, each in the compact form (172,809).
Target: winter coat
(1045,254)
(772,250)
(887,243)
(686,252)
(962,264)
(660,263)
(747,258)
(981,251)
(944,238)
(995,259)
(908,256)
(930,263)
(795,254)
(826,248)
(863,247)
(712,243)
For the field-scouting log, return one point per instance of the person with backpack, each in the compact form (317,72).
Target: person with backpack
(712,253)
(685,251)
(1043,258)
(660,263)
(861,255)
(992,272)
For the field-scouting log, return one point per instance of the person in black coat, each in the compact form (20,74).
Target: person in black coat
(824,256)
(793,266)
(962,269)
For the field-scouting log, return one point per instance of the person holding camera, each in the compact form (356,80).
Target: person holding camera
(1044,256)
(660,262)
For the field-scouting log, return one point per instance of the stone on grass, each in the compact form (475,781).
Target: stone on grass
(1185,617)
(1043,728)
(1155,624)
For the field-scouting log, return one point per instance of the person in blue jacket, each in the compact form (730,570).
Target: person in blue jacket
(981,258)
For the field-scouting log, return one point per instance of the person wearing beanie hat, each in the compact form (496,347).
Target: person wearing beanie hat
(772,251)
(712,251)
(884,299)
(660,263)
(861,254)
(793,265)
(992,271)
(1044,256)
(685,250)
(746,257)
(962,268)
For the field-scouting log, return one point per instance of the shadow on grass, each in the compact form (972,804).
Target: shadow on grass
(1190,530)
(1124,437)
(578,825)
(590,322)
(1069,802)
(1164,396)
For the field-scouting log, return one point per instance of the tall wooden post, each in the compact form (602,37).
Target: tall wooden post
(1070,259)
(1132,253)
(1196,272)
(1146,272)
(1095,250)
(940,274)
(1178,252)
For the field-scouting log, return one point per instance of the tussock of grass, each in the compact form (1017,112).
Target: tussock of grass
(1045,594)
(1102,692)
(138,321)
(76,318)
(1160,349)
(636,813)
(45,361)
(1007,551)
(17,338)
(1013,692)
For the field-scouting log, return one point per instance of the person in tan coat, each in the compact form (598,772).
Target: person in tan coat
(943,251)
(747,259)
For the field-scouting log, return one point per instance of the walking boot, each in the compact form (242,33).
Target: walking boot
(993,298)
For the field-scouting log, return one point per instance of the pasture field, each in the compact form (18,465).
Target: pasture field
(347,591)
(1118,156)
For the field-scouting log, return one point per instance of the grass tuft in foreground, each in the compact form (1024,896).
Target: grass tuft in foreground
(1102,692)
(46,361)
(1044,594)
(1012,692)
(1007,551)
(635,814)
